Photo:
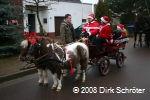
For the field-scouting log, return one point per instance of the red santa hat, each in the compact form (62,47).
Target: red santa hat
(105,19)
(91,16)
(120,27)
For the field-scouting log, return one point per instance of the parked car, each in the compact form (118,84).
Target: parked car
(78,31)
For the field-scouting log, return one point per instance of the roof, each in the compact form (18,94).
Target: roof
(73,1)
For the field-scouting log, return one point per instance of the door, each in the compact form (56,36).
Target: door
(58,21)
(31,22)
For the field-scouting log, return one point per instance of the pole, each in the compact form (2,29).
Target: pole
(82,10)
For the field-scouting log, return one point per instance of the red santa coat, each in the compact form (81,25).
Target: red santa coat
(92,28)
(105,31)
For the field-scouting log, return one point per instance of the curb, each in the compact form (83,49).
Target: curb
(17,75)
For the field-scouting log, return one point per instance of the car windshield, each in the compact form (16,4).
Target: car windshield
(81,26)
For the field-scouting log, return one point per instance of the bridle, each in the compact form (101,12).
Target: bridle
(37,50)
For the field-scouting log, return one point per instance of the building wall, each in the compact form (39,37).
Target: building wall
(77,10)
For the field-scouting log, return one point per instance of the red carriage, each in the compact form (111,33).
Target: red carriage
(109,51)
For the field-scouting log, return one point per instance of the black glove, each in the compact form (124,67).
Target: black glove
(84,34)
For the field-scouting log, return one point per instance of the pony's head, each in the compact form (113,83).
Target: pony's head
(33,51)
(141,21)
(138,18)
(24,50)
(38,49)
(33,46)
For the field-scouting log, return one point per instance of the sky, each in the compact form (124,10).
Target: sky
(89,1)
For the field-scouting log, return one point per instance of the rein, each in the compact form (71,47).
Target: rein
(27,67)
(81,72)
(41,57)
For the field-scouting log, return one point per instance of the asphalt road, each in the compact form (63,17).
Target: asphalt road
(134,76)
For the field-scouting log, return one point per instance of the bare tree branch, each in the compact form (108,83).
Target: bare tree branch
(36,8)
(45,9)
(30,1)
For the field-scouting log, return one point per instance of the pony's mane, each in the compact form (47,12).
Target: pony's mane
(58,46)
(47,38)
(24,43)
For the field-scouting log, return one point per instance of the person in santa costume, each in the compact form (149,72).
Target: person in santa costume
(104,32)
(91,27)
(120,27)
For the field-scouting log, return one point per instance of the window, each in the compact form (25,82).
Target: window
(83,20)
(44,20)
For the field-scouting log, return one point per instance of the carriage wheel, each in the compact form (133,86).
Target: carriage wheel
(104,66)
(120,59)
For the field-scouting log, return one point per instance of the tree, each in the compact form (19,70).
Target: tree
(102,9)
(9,30)
(37,4)
(127,9)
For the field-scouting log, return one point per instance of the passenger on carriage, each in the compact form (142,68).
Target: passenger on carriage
(104,32)
(116,34)
(91,27)
(120,27)
(120,34)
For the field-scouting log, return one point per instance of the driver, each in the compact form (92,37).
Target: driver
(91,27)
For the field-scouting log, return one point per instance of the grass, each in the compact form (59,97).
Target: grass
(8,58)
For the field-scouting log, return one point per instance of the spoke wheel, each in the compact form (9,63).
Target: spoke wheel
(104,66)
(120,59)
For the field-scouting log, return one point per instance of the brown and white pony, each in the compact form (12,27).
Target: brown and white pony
(76,55)
(41,67)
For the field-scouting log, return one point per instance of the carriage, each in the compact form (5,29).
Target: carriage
(109,51)
(46,54)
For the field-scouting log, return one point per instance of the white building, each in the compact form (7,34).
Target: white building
(51,19)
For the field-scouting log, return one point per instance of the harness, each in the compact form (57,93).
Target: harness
(69,56)
(53,57)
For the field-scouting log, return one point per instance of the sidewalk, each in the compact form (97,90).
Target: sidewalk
(10,68)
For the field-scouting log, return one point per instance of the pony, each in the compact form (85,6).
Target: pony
(41,67)
(75,55)
(142,25)
(137,30)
